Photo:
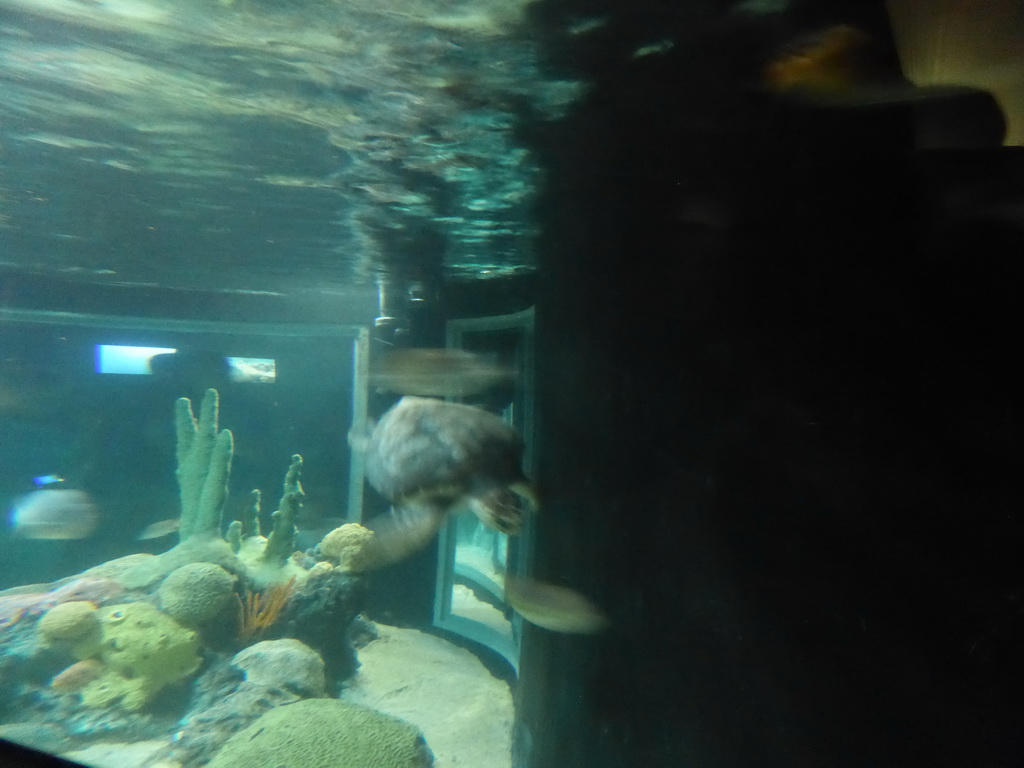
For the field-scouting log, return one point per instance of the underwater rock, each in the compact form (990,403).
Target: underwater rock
(21,602)
(143,650)
(195,593)
(326,732)
(223,703)
(286,663)
(194,550)
(320,614)
(116,568)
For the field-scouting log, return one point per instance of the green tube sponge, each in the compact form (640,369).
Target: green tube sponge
(195,593)
(142,651)
(326,733)
(204,465)
(281,542)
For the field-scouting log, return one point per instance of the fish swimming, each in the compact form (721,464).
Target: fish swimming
(159,529)
(552,607)
(827,62)
(54,513)
(436,372)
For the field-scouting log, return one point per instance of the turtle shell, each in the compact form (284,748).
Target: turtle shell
(429,449)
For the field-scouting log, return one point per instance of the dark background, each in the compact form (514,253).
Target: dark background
(780,422)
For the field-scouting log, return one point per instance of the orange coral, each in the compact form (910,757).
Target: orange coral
(260,610)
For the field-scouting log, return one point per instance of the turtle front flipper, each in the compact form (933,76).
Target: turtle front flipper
(398,535)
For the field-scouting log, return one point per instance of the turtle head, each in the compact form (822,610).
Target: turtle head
(498,508)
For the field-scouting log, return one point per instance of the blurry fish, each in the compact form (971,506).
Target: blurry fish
(825,63)
(559,609)
(160,529)
(77,676)
(60,513)
(436,373)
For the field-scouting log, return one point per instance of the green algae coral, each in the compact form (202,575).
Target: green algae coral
(143,650)
(195,593)
(204,465)
(325,733)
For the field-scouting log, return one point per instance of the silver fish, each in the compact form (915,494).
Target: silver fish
(60,513)
(559,609)
(159,529)
(436,372)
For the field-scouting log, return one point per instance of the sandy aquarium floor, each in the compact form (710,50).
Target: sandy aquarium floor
(464,712)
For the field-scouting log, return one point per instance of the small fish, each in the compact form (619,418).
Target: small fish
(77,676)
(61,513)
(559,609)
(42,481)
(436,372)
(829,62)
(159,529)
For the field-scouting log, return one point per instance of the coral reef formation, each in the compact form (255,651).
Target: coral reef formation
(204,464)
(143,650)
(326,733)
(188,647)
(196,592)
(346,546)
(321,614)
(268,559)
(69,621)
(260,610)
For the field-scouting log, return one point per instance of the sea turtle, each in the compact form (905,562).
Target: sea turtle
(429,457)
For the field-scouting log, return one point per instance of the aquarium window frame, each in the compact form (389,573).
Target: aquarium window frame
(448,572)
(358,335)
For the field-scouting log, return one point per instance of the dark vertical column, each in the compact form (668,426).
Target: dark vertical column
(749,450)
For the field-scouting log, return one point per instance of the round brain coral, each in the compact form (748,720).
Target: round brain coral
(326,733)
(345,546)
(69,621)
(195,593)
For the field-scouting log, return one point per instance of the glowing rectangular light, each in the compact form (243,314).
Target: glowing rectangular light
(114,358)
(253,369)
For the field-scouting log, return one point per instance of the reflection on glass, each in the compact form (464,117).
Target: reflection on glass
(475,558)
